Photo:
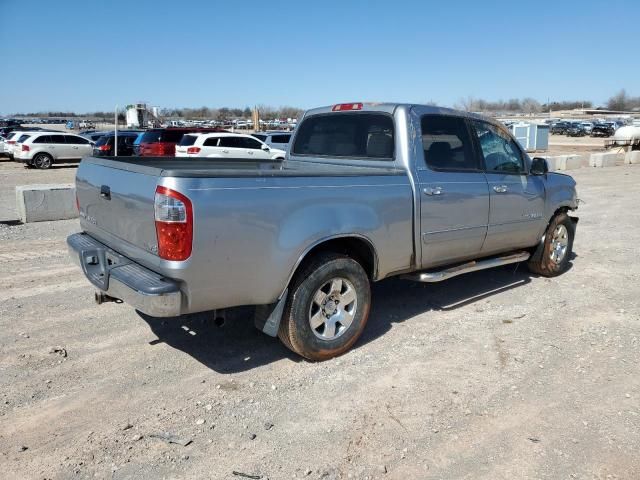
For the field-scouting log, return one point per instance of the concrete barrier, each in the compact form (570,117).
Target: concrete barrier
(573,162)
(632,157)
(42,203)
(604,159)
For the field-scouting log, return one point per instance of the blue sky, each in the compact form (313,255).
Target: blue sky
(91,55)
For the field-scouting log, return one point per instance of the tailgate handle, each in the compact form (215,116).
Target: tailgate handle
(105,192)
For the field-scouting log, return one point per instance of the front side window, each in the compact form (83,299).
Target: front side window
(72,139)
(251,143)
(500,152)
(351,135)
(446,143)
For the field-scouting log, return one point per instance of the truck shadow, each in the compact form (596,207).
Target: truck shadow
(238,346)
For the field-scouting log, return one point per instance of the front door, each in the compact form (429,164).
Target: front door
(454,196)
(517,198)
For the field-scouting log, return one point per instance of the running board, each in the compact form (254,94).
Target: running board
(440,275)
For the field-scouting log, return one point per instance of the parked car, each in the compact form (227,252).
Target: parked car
(159,142)
(136,144)
(602,130)
(575,130)
(588,126)
(559,128)
(226,145)
(11,141)
(367,191)
(43,149)
(94,135)
(2,145)
(105,145)
(274,139)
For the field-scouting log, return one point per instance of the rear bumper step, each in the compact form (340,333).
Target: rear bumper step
(440,275)
(117,277)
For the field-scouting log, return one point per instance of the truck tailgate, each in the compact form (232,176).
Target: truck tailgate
(117,202)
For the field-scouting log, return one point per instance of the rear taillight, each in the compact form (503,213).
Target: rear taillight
(104,148)
(25,148)
(174,224)
(11,142)
(193,150)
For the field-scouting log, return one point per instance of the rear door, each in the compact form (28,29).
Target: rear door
(210,147)
(517,198)
(232,147)
(58,147)
(454,196)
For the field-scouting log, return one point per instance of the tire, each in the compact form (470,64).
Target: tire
(552,256)
(332,288)
(42,161)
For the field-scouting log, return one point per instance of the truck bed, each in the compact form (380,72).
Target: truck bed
(235,168)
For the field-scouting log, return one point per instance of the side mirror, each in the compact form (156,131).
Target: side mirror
(539,166)
(265,147)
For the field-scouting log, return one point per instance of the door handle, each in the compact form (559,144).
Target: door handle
(500,189)
(432,191)
(225,151)
(249,152)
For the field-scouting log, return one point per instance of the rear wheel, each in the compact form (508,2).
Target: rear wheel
(328,307)
(552,256)
(42,161)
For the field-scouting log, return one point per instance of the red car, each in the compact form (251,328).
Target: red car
(161,142)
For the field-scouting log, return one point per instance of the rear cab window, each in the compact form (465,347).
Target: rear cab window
(368,136)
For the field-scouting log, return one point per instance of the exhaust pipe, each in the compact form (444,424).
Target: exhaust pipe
(102,297)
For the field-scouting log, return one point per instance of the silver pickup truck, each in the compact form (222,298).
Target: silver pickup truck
(367,191)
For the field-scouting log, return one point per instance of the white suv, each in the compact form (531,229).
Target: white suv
(226,145)
(42,149)
(274,139)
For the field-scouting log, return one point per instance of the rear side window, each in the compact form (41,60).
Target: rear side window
(350,135)
(57,139)
(500,152)
(280,138)
(260,137)
(23,138)
(211,142)
(42,139)
(231,142)
(103,141)
(446,143)
(188,140)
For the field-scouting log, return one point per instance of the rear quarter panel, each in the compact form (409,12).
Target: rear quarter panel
(249,233)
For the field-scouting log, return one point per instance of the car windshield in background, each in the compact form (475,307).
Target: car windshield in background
(151,137)
(188,140)
(351,135)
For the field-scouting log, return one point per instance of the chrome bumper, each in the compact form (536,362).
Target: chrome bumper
(121,278)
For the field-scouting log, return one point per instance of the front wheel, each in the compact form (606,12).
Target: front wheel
(327,308)
(552,256)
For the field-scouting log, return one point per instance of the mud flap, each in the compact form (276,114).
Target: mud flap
(267,317)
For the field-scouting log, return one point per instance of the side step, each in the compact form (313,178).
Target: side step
(440,275)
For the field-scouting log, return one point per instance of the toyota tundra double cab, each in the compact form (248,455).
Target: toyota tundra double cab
(366,192)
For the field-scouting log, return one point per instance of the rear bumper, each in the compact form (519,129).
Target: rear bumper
(121,278)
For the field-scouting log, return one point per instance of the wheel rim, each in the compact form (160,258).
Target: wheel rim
(333,308)
(559,244)
(42,161)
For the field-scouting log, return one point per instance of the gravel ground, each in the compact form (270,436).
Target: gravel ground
(494,375)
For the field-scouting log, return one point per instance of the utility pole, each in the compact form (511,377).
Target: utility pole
(115,140)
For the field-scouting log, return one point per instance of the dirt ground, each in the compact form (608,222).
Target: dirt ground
(494,375)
